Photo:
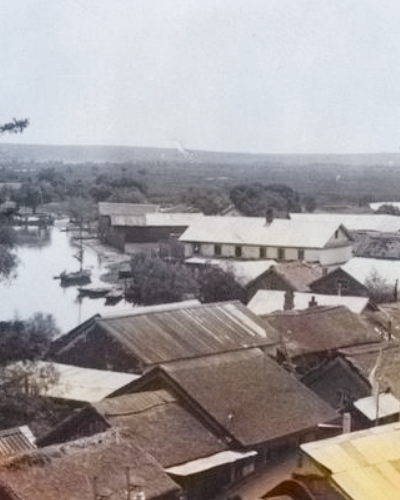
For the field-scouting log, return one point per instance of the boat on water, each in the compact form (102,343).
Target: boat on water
(81,277)
(95,291)
(76,278)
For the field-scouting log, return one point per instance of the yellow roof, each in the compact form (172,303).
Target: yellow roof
(365,465)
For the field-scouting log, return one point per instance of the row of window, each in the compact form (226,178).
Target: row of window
(238,251)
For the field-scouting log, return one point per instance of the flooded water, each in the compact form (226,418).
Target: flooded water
(35,288)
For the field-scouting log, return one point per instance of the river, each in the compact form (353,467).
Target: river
(35,288)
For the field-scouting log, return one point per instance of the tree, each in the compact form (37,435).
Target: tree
(388,208)
(379,289)
(22,345)
(158,282)
(216,285)
(8,258)
(310,203)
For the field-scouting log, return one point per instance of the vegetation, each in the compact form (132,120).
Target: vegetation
(156,281)
(379,289)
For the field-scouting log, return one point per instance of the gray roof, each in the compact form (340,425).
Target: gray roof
(320,329)
(249,395)
(255,231)
(167,431)
(166,334)
(67,471)
(363,269)
(266,302)
(106,208)
(353,222)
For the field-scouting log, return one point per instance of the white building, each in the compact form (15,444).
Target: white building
(327,243)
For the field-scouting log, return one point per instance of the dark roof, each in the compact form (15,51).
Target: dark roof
(386,358)
(248,395)
(298,274)
(320,329)
(337,382)
(66,472)
(378,246)
(161,425)
(164,335)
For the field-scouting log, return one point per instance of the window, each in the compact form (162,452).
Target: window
(336,234)
(263,253)
(238,251)
(217,250)
(281,254)
(300,254)
(341,285)
(196,248)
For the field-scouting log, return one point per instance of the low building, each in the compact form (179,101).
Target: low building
(121,223)
(157,334)
(266,302)
(311,336)
(258,238)
(359,465)
(107,465)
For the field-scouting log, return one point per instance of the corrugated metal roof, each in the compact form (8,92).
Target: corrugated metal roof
(387,406)
(83,384)
(172,219)
(362,269)
(202,464)
(255,231)
(267,301)
(354,222)
(364,464)
(16,440)
(185,332)
(244,271)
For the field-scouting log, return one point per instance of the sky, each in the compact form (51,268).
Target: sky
(256,76)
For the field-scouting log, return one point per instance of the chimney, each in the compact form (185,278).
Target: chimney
(313,302)
(269,215)
(288,304)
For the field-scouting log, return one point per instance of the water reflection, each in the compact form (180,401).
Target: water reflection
(36,289)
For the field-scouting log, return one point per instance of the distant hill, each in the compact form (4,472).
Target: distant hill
(122,154)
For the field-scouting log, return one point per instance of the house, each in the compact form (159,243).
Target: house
(382,360)
(360,465)
(121,223)
(258,238)
(106,465)
(199,462)
(159,334)
(311,336)
(339,282)
(377,245)
(266,302)
(294,276)
(340,384)
(248,274)
(246,398)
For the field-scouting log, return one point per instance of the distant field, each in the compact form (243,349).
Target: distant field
(172,170)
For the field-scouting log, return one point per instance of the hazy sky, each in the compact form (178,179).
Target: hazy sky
(272,76)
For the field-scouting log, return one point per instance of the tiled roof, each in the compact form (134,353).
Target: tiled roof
(320,329)
(255,231)
(377,245)
(298,274)
(68,471)
(249,395)
(167,431)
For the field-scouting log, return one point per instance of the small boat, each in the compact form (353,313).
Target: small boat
(94,291)
(81,277)
(114,295)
